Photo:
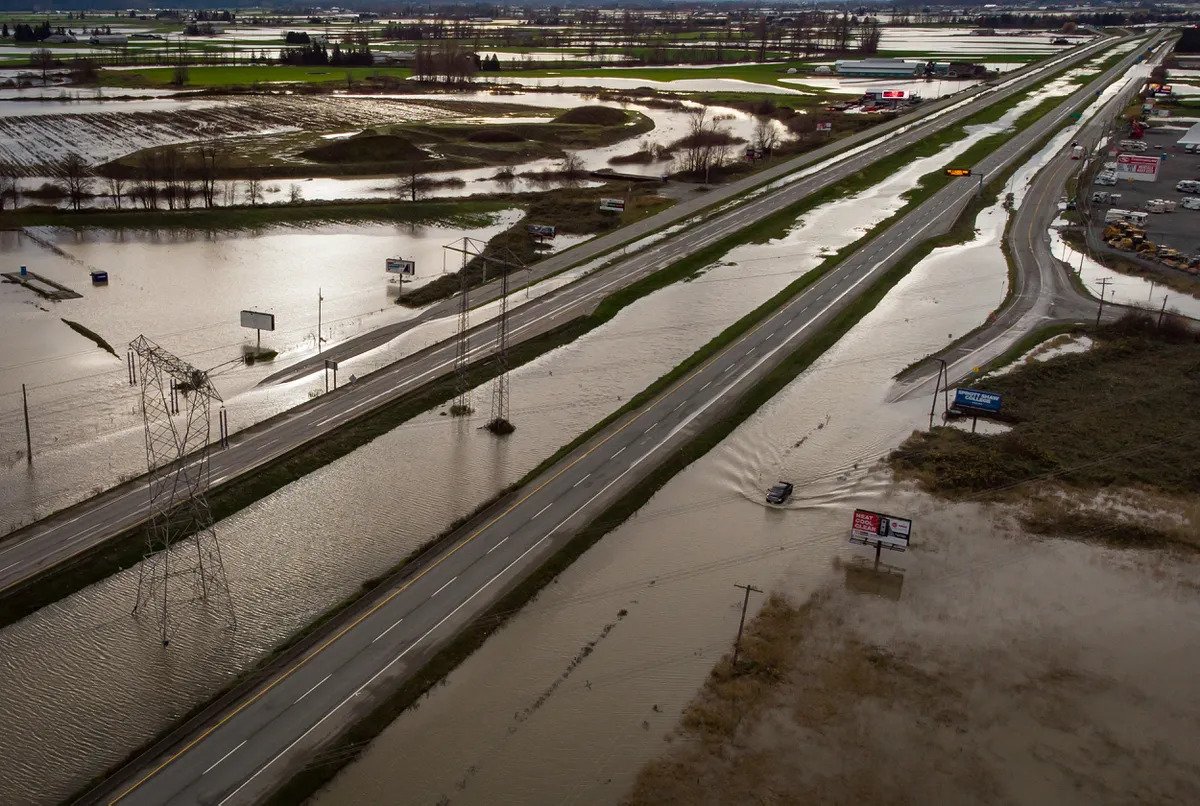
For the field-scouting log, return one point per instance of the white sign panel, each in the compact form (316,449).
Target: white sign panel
(258,321)
(1137,167)
(875,527)
(612,205)
(395,265)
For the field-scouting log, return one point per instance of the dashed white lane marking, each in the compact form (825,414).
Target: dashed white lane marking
(543,509)
(499,543)
(439,590)
(581,481)
(618,453)
(385,632)
(222,758)
(326,677)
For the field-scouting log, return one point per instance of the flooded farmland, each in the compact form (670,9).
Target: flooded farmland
(652,606)
(113,687)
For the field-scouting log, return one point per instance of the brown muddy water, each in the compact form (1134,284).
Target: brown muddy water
(298,551)
(575,693)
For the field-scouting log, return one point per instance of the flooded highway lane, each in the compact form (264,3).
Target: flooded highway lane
(352,519)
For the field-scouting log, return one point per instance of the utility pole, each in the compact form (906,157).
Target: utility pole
(1161,311)
(737,642)
(933,403)
(320,300)
(1103,290)
(29,441)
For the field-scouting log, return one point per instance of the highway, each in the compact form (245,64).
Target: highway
(1043,293)
(244,752)
(63,536)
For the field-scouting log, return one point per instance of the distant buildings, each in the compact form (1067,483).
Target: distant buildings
(879,68)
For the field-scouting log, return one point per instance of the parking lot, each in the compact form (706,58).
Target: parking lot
(1179,229)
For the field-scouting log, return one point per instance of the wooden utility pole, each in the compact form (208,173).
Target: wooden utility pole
(320,301)
(1103,290)
(1162,310)
(737,642)
(28,439)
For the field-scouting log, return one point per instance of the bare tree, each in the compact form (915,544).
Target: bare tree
(116,190)
(9,187)
(170,169)
(295,195)
(43,59)
(210,164)
(254,189)
(572,165)
(410,181)
(148,173)
(766,135)
(74,170)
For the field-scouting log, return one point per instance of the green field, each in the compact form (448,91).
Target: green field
(231,76)
(756,73)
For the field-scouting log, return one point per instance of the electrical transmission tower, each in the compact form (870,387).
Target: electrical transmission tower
(471,250)
(183,557)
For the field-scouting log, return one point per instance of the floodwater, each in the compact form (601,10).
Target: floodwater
(112,686)
(559,706)
(928,88)
(960,43)
(1126,289)
(83,414)
(45,130)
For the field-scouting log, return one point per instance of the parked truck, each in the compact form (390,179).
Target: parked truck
(1077,152)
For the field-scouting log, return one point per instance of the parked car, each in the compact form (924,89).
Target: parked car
(1191,203)
(780,493)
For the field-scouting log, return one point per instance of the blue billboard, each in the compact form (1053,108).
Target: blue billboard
(976,400)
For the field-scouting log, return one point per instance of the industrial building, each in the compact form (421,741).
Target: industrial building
(879,68)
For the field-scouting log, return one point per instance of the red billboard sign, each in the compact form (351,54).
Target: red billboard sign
(894,95)
(876,528)
(1134,166)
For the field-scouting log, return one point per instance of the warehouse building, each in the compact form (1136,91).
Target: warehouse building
(879,68)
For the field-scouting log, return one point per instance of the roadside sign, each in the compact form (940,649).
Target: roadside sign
(1137,168)
(256,320)
(612,205)
(958,172)
(880,530)
(394,265)
(977,400)
(824,126)
(894,95)
(541,230)
(1076,116)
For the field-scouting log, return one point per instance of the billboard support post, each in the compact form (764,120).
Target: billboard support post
(880,530)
